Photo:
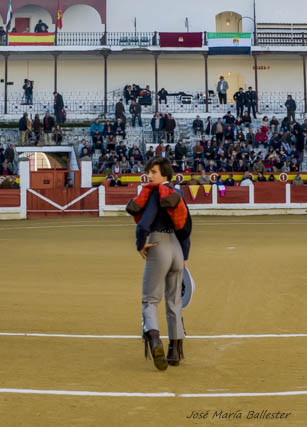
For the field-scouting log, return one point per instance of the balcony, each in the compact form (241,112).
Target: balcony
(148,39)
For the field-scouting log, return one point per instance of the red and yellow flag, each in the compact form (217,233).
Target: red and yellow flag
(31,39)
(59,16)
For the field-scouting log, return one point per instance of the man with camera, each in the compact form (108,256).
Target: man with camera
(28,91)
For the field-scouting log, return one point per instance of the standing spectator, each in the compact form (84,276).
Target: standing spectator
(229,182)
(157,126)
(2,36)
(198,126)
(170,125)
(251,101)
(96,133)
(58,107)
(136,110)
(41,27)
(9,155)
(208,125)
(162,94)
(218,129)
(291,108)
(48,125)
(28,91)
(239,97)
(180,151)
(221,89)
(120,112)
(23,128)
(37,127)
(57,135)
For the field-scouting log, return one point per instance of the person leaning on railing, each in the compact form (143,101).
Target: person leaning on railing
(2,36)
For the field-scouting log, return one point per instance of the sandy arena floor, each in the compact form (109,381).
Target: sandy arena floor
(83,277)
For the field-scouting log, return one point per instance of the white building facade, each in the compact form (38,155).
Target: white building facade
(104,46)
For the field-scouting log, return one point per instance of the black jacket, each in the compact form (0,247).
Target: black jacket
(250,97)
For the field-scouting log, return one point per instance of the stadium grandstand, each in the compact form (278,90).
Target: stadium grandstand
(218,92)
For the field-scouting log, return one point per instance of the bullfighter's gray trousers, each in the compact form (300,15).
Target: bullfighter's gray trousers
(163,272)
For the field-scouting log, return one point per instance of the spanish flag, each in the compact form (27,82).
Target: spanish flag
(59,23)
(31,39)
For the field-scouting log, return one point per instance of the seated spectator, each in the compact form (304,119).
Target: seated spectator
(198,126)
(135,91)
(163,153)
(184,166)
(116,168)
(37,127)
(124,165)
(279,165)
(85,152)
(204,179)
(132,151)
(175,167)
(261,137)
(273,125)
(246,119)
(107,129)
(110,144)
(229,119)
(229,133)
(149,153)
(240,136)
(138,167)
(121,150)
(272,178)
(6,168)
(119,128)
(250,138)
(218,129)
(138,156)
(198,151)
(259,166)
(268,163)
(240,166)
(192,180)
(169,151)
(84,144)
(162,94)
(239,123)
(246,180)
(265,122)
(96,131)
(294,166)
(298,180)
(48,124)
(261,177)
(58,135)
(229,182)
(211,167)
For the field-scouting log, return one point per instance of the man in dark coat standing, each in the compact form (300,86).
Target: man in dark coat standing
(58,107)
(251,101)
(120,112)
(239,97)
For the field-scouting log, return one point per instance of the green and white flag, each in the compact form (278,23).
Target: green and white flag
(9,16)
(229,43)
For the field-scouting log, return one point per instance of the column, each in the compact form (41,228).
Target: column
(56,56)
(105,56)
(206,81)
(156,56)
(305,83)
(6,57)
(256,78)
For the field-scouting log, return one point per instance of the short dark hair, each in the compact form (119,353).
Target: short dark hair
(164,166)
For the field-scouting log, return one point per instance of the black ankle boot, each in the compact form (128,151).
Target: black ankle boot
(152,338)
(175,352)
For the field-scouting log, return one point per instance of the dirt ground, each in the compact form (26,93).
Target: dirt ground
(83,276)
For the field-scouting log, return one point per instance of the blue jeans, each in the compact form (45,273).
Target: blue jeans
(134,116)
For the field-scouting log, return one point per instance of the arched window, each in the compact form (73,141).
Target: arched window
(82,18)
(228,22)
(28,16)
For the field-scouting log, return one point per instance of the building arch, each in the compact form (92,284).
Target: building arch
(33,12)
(228,22)
(73,19)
